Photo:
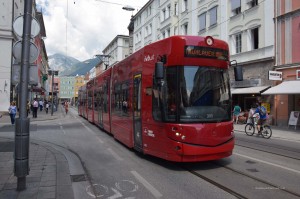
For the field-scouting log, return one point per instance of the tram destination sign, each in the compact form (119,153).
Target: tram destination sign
(206,52)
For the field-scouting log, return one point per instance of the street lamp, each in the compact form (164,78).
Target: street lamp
(52,72)
(104,59)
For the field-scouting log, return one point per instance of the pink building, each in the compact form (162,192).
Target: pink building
(287,61)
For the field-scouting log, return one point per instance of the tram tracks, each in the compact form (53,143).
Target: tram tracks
(274,149)
(239,184)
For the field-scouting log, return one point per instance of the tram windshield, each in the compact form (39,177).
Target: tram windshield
(192,94)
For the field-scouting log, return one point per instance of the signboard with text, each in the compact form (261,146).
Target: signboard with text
(298,74)
(275,75)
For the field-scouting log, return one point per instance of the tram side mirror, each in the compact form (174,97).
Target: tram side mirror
(159,70)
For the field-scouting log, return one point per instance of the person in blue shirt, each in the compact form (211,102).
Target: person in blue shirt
(12,112)
(262,111)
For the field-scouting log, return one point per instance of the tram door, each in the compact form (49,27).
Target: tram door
(137,120)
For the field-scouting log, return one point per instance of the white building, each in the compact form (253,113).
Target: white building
(9,10)
(117,49)
(247,26)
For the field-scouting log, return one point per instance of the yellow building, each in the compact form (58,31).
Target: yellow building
(79,81)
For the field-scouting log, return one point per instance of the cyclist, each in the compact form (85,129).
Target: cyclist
(262,111)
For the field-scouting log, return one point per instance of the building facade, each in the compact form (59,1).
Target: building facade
(66,88)
(10,66)
(247,26)
(287,53)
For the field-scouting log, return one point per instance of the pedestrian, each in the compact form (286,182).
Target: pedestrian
(12,112)
(251,114)
(41,104)
(66,107)
(47,107)
(35,106)
(28,107)
(236,112)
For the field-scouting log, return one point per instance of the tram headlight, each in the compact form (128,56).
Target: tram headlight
(183,137)
(177,134)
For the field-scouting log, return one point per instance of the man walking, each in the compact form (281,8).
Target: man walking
(35,105)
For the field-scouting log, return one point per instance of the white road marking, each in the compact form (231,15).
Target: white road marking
(62,128)
(147,185)
(115,154)
(275,165)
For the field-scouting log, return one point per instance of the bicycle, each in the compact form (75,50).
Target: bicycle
(265,130)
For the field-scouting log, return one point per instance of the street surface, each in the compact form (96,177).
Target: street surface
(258,168)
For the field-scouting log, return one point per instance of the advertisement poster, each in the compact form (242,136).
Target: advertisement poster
(294,118)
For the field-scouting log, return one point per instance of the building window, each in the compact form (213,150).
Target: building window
(252,3)
(168,11)
(255,38)
(235,7)
(213,16)
(202,22)
(184,5)
(176,9)
(163,17)
(185,29)
(150,29)
(238,43)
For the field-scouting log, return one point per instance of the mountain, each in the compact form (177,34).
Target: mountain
(62,63)
(69,66)
(82,68)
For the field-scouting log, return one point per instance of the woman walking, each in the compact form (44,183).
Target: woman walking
(12,112)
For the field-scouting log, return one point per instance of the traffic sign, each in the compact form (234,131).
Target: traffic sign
(17,51)
(18,26)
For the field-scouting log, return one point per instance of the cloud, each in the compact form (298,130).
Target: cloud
(83,28)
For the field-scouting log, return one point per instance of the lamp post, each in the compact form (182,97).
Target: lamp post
(104,59)
(52,72)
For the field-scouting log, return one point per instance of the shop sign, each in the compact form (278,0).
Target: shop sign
(298,74)
(275,75)
(294,118)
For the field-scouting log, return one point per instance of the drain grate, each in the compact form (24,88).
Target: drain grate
(78,178)
(250,162)
(252,170)
(7,146)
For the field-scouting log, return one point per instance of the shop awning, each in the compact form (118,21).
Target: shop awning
(287,87)
(250,90)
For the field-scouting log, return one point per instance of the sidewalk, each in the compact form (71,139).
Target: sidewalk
(55,172)
(41,116)
(281,133)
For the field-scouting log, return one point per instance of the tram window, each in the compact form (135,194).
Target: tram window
(120,102)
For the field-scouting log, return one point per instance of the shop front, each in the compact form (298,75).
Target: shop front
(286,97)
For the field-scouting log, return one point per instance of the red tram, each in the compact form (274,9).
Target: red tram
(171,99)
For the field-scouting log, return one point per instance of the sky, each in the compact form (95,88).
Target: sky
(83,28)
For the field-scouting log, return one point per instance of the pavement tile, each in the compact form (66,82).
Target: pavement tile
(30,192)
(8,194)
(45,193)
(48,183)
(64,191)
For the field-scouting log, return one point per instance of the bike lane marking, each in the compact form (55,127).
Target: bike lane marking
(275,165)
(147,185)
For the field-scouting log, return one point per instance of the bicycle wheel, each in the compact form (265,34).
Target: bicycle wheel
(249,129)
(267,132)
